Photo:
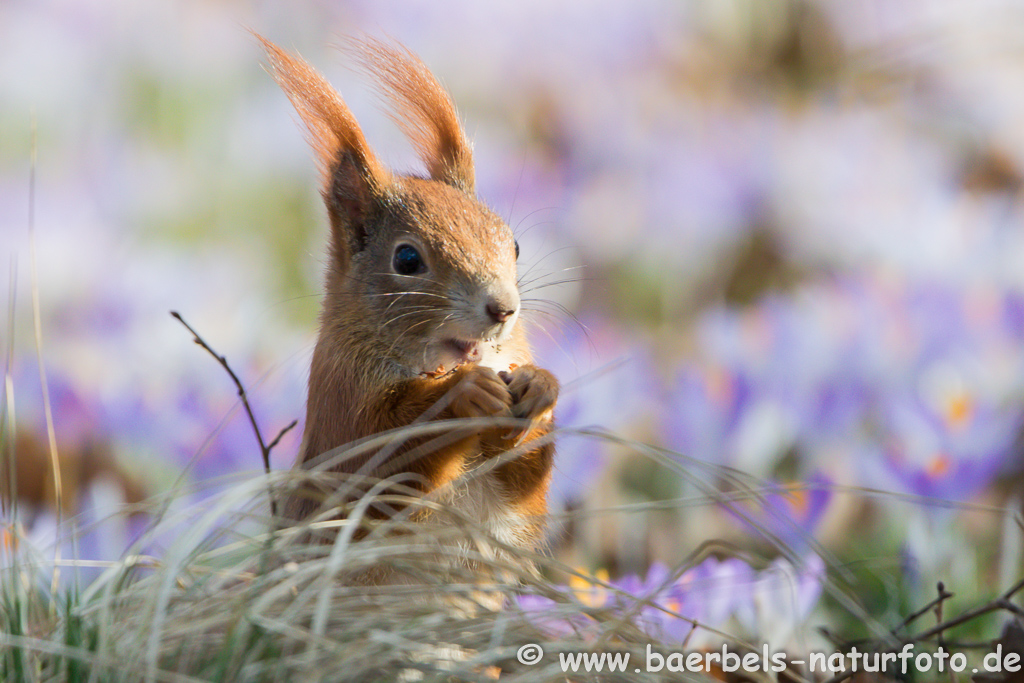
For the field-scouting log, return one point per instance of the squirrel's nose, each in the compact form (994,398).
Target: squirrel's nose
(499,312)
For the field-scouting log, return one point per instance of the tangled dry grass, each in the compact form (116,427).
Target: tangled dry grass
(233,599)
(220,591)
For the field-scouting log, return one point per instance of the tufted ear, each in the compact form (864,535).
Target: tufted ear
(423,110)
(354,179)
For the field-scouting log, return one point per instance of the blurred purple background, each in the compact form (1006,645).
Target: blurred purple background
(782,240)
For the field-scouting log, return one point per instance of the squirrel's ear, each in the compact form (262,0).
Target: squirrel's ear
(423,110)
(353,176)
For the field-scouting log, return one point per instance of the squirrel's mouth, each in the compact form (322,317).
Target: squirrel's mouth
(452,352)
(468,350)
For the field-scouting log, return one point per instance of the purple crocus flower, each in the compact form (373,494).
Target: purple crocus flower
(786,515)
(706,595)
(820,371)
(950,456)
(705,408)
(689,608)
(782,598)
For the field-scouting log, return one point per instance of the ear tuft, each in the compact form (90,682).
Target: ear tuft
(332,128)
(352,174)
(423,110)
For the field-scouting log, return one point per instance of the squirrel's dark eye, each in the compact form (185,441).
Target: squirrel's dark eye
(407,260)
(517,250)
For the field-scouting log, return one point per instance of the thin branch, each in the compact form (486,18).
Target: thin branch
(280,434)
(264,447)
(943,596)
(993,606)
(1003,602)
(938,618)
(1010,607)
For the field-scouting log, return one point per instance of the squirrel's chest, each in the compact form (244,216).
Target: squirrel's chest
(482,498)
(499,358)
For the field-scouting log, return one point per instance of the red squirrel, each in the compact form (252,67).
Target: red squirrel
(421,318)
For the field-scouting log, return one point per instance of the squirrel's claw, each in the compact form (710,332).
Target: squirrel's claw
(480,393)
(534,392)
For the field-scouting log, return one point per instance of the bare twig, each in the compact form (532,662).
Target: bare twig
(280,434)
(1003,602)
(265,448)
(993,606)
(943,596)
(1010,607)
(938,617)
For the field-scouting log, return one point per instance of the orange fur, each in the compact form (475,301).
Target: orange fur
(396,349)
(332,128)
(423,110)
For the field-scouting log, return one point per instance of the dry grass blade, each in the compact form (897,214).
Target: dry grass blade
(236,599)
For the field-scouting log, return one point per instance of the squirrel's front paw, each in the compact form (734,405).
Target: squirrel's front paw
(534,392)
(479,392)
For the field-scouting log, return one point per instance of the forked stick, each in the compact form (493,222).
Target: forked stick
(264,447)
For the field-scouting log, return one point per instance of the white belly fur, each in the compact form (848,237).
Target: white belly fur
(495,360)
(482,497)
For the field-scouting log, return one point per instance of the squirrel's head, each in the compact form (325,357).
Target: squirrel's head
(421,261)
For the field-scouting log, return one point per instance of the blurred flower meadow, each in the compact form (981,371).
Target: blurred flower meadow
(778,243)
